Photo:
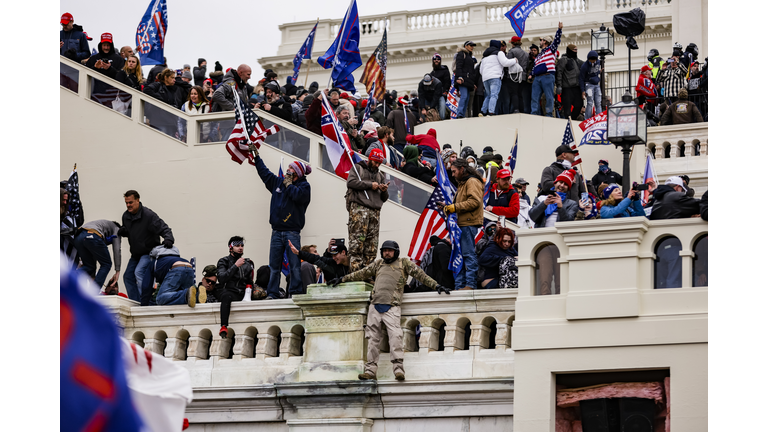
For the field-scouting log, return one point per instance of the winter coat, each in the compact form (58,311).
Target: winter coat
(443,75)
(669,204)
(76,41)
(162,92)
(427,143)
(198,72)
(565,213)
(430,94)
(378,116)
(441,259)
(646,88)
(626,208)
(550,173)
(357,186)
(681,112)
(396,121)
(128,79)
(224,96)
(464,68)
(469,202)
(144,230)
(181,91)
(152,76)
(520,55)
(504,202)
(608,178)
(419,172)
(589,73)
(330,269)
(568,70)
(216,76)
(233,278)
(313,115)
(279,108)
(112,57)
(491,258)
(288,206)
(375,143)
(494,61)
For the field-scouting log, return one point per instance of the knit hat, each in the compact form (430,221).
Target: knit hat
(548,39)
(571,47)
(567,177)
(437,56)
(605,191)
(682,94)
(218,66)
(300,168)
(186,66)
(200,61)
(186,74)
(376,155)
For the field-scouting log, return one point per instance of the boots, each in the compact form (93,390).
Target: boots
(366,376)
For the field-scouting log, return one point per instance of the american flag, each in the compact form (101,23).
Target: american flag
(453,100)
(375,71)
(75,206)
(369,106)
(487,190)
(569,141)
(237,144)
(431,222)
(512,159)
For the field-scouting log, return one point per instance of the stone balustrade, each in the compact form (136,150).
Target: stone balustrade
(677,141)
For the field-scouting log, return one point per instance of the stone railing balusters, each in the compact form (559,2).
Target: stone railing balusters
(175,349)
(198,347)
(244,347)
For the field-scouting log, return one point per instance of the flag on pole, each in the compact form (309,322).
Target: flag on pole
(305,52)
(487,190)
(452,103)
(344,55)
(431,222)
(449,192)
(594,129)
(375,72)
(151,33)
(336,141)
(512,159)
(648,174)
(519,13)
(569,141)
(74,205)
(248,129)
(369,105)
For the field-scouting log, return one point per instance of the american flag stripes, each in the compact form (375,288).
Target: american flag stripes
(375,72)
(452,103)
(431,222)
(250,131)
(569,141)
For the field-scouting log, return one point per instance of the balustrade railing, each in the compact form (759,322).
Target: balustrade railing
(450,17)
(630,4)
(678,141)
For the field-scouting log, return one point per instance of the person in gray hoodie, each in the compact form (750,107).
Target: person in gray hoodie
(589,81)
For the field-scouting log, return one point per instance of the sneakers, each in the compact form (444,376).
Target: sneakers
(202,296)
(223,332)
(192,296)
(367,376)
(400,376)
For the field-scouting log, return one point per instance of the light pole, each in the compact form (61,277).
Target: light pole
(602,43)
(626,128)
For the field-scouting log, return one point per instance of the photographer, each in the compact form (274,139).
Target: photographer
(614,205)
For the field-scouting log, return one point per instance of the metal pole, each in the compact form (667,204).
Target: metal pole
(604,98)
(626,149)
(629,70)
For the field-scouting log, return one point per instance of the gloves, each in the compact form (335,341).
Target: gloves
(167,243)
(559,90)
(449,209)
(288,180)
(334,282)
(441,289)
(253,149)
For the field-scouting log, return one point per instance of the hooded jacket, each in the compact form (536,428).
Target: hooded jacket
(670,204)
(608,177)
(144,230)
(491,258)
(430,94)
(224,96)
(427,143)
(288,206)
(442,74)
(414,168)
(521,56)
(550,173)
(112,57)
(358,186)
(152,76)
(568,70)
(198,72)
(590,73)
(75,41)
(464,68)
(168,94)
(469,201)
(494,61)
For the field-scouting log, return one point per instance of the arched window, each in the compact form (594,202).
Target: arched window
(668,266)
(547,271)
(700,258)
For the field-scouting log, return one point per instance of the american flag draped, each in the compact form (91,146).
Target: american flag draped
(375,72)
(151,33)
(431,222)
(452,103)
(249,131)
(569,141)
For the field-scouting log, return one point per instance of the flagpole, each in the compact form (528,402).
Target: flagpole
(306,77)
(340,36)
(583,180)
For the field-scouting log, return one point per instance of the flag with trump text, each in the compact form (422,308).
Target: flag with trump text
(452,102)
(343,56)
(375,72)
(336,140)
(305,52)
(248,129)
(519,13)
(151,33)
(594,129)
(569,141)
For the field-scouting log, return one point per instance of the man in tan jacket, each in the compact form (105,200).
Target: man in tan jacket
(468,206)
(366,194)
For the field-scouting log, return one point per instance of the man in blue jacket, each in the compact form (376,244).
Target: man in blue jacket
(589,81)
(72,42)
(287,208)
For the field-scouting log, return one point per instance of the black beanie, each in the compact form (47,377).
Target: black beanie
(218,67)
(200,61)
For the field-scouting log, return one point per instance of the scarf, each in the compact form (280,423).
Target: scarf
(551,208)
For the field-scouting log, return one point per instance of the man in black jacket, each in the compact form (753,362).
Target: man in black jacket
(565,157)
(441,259)
(143,227)
(442,74)
(274,103)
(465,70)
(605,175)
(334,266)
(234,274)
(107,61)
(73,43)
(672,202)
(430,92)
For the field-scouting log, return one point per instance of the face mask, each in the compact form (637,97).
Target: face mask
(472,164)
(603,168)
(566,163)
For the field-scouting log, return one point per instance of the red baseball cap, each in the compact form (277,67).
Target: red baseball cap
(365,103)
(106,37)
(344,95)
(514,39)
(504,173)
(376,155)
(66,18)
(86,36)
(645,68)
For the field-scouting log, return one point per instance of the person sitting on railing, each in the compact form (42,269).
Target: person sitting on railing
(614,205)
(396,122)
(349,123)
(334,265)
(670,201)
(175,278)
(681,112)
(235,276)
(489,230)
(503,199)
(415,168)
(196,104)
(428,145)
(274,103)
(233,81)
(107,61)
(72,42)
(498,261)
(556,206)
(131,74)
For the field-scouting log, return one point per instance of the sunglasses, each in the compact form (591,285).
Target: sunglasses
(209,281)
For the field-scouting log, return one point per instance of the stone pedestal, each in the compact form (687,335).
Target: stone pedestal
(335,340)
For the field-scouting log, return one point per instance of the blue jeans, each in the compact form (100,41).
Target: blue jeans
(594,97)
(92,249)
(463,101)
(277,245)
(134,273)
(543,84)
(468,274)
(492,87)
(441,107)
(173,289)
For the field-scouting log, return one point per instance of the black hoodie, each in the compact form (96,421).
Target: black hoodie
(112,57)
(441,259)
(444,75)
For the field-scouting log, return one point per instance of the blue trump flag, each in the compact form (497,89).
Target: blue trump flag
(305,52)
(519,13)
(344,55)
(151,32)
(448,190)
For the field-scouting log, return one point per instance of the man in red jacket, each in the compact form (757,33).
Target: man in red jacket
(504,200)
(428,145)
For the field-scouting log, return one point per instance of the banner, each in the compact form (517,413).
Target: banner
(594,129)
(519,13)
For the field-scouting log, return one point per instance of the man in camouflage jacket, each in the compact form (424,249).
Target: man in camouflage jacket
(391,273)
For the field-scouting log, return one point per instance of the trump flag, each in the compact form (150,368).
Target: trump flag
(151,32)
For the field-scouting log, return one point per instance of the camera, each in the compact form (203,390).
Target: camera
(640,187)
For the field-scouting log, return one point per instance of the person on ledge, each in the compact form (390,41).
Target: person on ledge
(175,280)
(390,273)
(234,274)
(335,266)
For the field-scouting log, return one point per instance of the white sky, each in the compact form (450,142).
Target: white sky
(232,32)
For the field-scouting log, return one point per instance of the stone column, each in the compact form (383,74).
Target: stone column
(267,346)
(220,347)
(175,349)
(688,149)
(502,336)
(290,345)
(659,151)
(155,345)
(409,339)
(429,340)
(198,348)
(243,347)
(454,338)
(479,336)
(335,340)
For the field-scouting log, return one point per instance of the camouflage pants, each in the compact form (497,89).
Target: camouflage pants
(363,236)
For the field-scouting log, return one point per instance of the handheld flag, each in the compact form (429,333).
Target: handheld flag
(452,103)
(151,33)
(344,55)
(75,206)
(519,13)
(486,190)
(369,106)
(336,141)
(512,159)
(648,174)
(431,222)
(595,130)
(305,52)
(449,192)
(569,141)
(375,72)
(248,129)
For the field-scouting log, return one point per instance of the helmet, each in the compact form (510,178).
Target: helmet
(677,46)
(390,244)
(652,53)
(272,86)
(693,49)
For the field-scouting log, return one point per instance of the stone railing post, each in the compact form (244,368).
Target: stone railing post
(454,338)
(290,344)
(502,336)
(335,340)
(704,148)
(479,336)
(409,338)
(243,347)
(220,347)
(429,340)
(175,349)
(154,345)
(266,346)
(198,348)
(674,151)
(659,151)
(688,149)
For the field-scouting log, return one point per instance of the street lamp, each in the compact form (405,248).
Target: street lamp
(602,42)
(626,128)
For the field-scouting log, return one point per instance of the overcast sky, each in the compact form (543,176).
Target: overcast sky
(231,32)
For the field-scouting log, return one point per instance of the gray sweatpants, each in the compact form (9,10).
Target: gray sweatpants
(373,332)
